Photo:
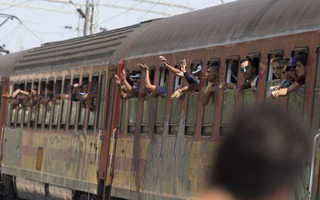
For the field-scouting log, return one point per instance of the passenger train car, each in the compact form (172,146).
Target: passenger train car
(151,148)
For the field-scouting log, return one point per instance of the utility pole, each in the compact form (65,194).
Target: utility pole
(85,26)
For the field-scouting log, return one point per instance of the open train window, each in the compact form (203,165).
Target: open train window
(192,106)
(73,104)
(64,105)
(229,99)
(147,106)
(56,105)
(296,98)
(249,95)
(161,102)
(33,108)
(13,88)
(101,95)
(92,100)
(175,112)
(209,108)
(177,82)
(40,105)
(20,111)
(275,71)
(49,95)
(26,110)
(83,88)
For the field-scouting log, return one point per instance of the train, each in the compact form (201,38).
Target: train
(144,147)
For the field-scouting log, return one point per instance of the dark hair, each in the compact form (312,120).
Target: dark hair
(21,86)
(303,58)
(255,62)
(265,150)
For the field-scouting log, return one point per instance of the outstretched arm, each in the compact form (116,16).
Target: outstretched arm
(19,91)
(285,91)
(124,80)
(147,82)
(177,72)
(122,94)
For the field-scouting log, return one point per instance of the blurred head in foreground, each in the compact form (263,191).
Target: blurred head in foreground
(261,158)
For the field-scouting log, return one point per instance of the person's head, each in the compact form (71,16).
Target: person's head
(21,86)
(248,68)
(213,72)
(290,73)
(276,67)
(301,64)
(262,156)
(198,71)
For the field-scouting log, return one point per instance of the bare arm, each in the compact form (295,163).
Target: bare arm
(177,72)
(147,82)
(122,94)
(19,91)
(124,80)
(206,96)
(285,91)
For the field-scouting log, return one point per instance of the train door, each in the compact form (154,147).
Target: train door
(315,126)
(106,133)
(3,89)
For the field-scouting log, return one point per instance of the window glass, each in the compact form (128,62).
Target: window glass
(133,106)
(101,98)
(92,100)
(123,115)
(192,113)
(315,120)
(175,114)
(13,111)
(56,105)
(20,111)
(64,106)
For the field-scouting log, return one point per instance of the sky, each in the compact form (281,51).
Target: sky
(43,21)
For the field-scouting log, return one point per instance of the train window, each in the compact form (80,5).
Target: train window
(1,98)
(48,105)
(9,110)
(161,102)
(92,100)
(101,99)
(192,106)
(40,105)
(315,122)
(73,105)
(147,107)
(20,111)
(295,98)
(175,112)
(14,110)
(229,98)
(209,108)
(26,110)
(83,103)
(64,105)
(177,82)
(274,61)
(33,108)
(109,117)
(249,95)
(133,107)
(56,104)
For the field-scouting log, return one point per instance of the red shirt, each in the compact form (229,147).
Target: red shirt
(300,80)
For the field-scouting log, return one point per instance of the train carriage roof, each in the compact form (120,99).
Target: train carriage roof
(239,21)
(8,62)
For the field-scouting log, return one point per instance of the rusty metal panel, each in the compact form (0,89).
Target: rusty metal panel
(227,24)
(295,103)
